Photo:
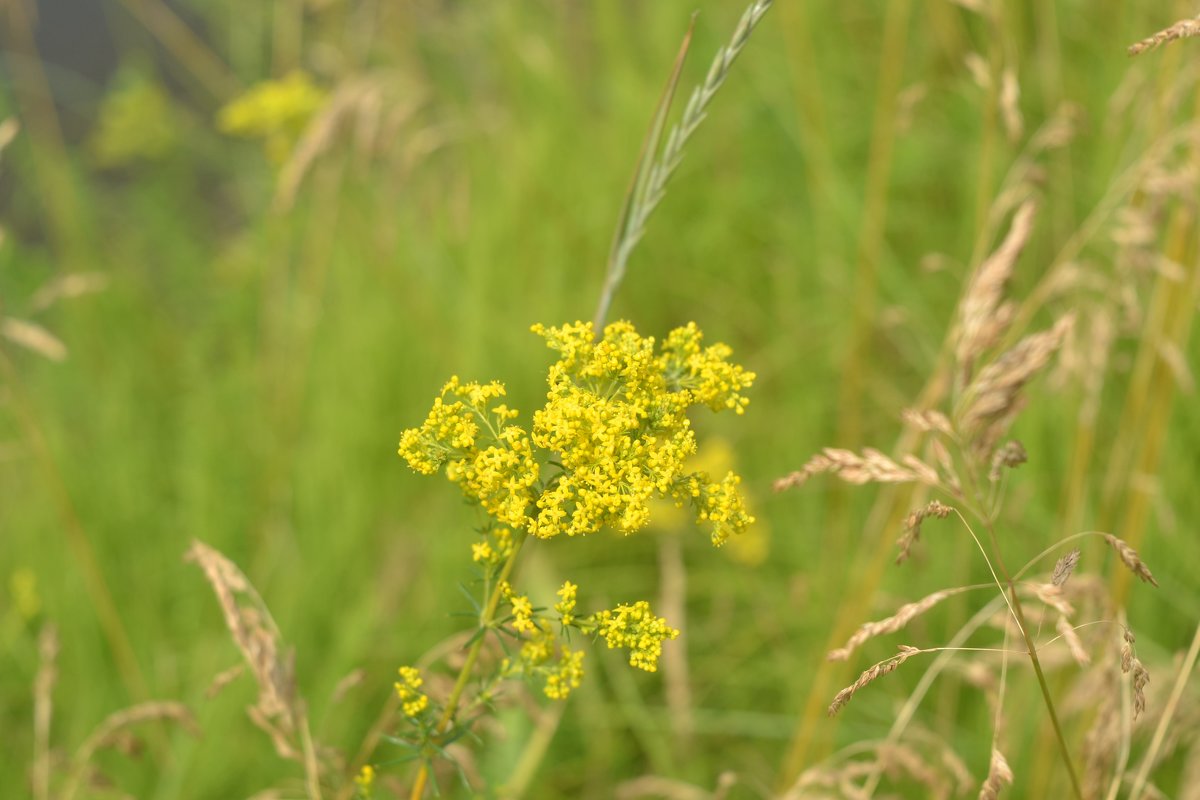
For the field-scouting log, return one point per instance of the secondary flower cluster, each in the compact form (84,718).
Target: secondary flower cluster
(615,423)
(631,627)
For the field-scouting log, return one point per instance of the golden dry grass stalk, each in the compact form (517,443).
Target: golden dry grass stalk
(904,615)
(1183,29)
(871,466)
(912,526)
(1130,558)
(882,668)
(999,774)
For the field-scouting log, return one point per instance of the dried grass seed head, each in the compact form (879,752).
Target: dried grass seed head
(999,774)
(912,526)
(1064,567)
(870,467)
(904,615)
(1010,456)
(983,317)
(1130,558)
(994,398)
(882,668)
(1183,29)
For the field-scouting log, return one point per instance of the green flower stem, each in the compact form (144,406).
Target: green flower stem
(973,487)
(486,619)
(1031,647)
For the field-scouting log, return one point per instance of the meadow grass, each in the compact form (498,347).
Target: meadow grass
(244,373)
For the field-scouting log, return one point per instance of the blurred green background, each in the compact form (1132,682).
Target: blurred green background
(235,324)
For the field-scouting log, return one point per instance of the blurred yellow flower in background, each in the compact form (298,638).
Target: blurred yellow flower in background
(275,111)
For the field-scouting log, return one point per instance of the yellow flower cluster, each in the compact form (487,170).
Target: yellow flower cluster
(495,549)
(274,111)
(565,676)
(635,627)
(408,689)
(615,420)
(522,609)
(365,780)
(721,505)
(541,654)
(566,603)
(491,460)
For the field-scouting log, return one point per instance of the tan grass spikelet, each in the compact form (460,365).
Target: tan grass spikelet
(882,668)
(1182,29)
(1010,456)
(1010,107)
(999,774)
(43,708)
(66,287)
(927,421)
(870,467)
(912,526)
(1074,644)
(1064,567)
(33,337)
(1130,558)
(993,399)
(277,711)
(983,317)
(1052,596)
(904,615)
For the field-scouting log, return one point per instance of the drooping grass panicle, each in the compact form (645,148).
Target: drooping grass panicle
(1131,664)
(1064,567)
(927,420)
(983,316)
(904,615)
(882,668)
(994,397)
(279,711)
(655,167)
(1009,456)
(871,466)
(1183,29)
(1130,558)
(999,775)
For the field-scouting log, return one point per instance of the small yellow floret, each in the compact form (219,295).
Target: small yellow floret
(408,689)
(365,780)
(566,604)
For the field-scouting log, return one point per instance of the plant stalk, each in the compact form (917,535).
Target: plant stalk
(1031,648)
(464,675)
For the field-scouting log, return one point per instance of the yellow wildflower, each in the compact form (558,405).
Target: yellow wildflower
(456,434)
(275,111)
(635,627)
(408,689)
(365,780)
(616,422)
(566,604)
(567,675)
